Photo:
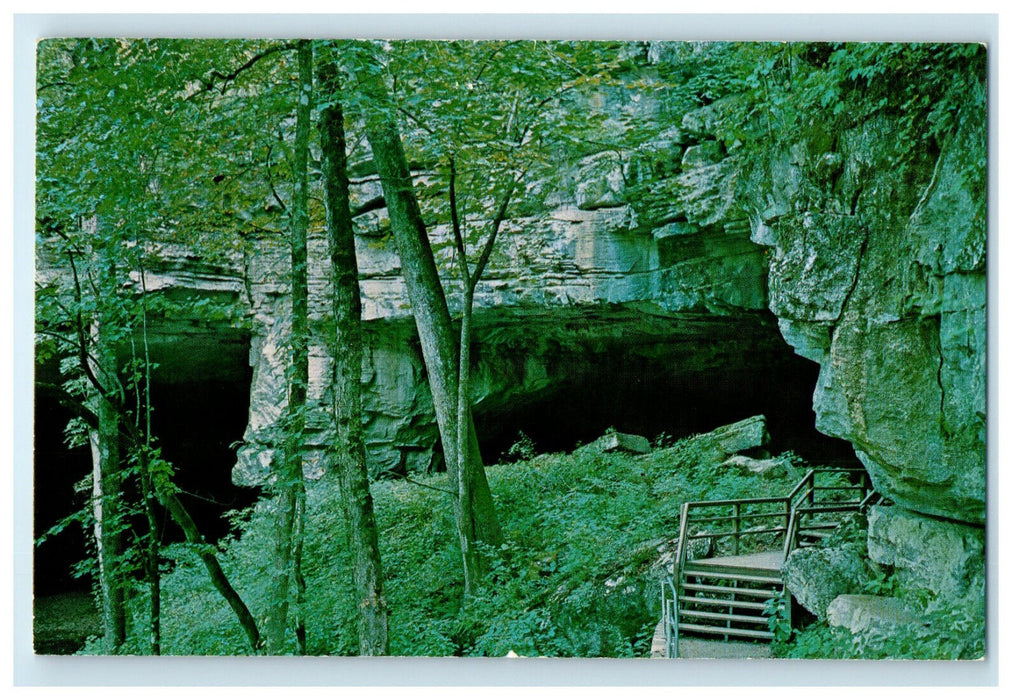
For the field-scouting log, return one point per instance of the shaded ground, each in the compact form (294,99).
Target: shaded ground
(691,648)
(63,622)
(694,648)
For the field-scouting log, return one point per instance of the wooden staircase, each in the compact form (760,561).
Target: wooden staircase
(727,576)
(727,597)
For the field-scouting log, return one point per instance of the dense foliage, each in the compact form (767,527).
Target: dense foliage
(587,538)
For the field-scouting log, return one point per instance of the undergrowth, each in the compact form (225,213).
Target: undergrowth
(575,578)
(947,631)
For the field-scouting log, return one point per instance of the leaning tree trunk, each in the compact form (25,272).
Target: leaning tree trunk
(290,477)
(168,499)
(472,561)
(348,458)
(434,325)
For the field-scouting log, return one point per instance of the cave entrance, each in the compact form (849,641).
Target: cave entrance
(652,376)
(59,491)
(200,393)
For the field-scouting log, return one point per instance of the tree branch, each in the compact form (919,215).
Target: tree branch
(59,336)
(58,83)
(428,486)
(268,178)
(371,205)
(414,118)
(499,48)
(500,216)
(461,249)
(83,354)
(65,399)
(209,83)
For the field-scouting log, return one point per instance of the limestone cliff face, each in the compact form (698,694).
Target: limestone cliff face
(874,270)
(879,279)
(560,284)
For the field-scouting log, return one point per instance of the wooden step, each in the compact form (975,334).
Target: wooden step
(749,592)
(722,602)
(723,617)
(767,561)
(727,631)
(749,575)
(820,526)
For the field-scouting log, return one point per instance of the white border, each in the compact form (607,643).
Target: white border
(61,671)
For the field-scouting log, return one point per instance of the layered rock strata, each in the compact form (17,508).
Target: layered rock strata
(876,276)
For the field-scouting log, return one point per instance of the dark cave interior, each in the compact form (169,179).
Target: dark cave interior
(645,386)
(667,388)
(195,419)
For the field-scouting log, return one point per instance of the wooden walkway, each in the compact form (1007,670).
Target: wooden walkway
(728,591)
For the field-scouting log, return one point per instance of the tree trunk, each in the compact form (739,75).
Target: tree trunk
(348,458)
(169,500)
(290,477)
(106,486)
(151,552)
(300,587)
(465,523)
(434,326)
(152,540)
(473,564)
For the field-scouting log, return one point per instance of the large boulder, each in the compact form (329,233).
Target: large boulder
(861,614)
(747,434)
(623,442)
(773,467)
(943,557)
(817,576)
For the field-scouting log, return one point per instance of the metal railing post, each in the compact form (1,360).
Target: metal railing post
(736,524)
(677,567)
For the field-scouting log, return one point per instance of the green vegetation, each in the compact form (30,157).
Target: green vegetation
(578,575)
(214,149)
(949,631)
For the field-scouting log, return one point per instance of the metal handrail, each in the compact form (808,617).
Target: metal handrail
(735,533)
(718,518)
(734,501)
(798,503)
(669,615)
(798,510)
